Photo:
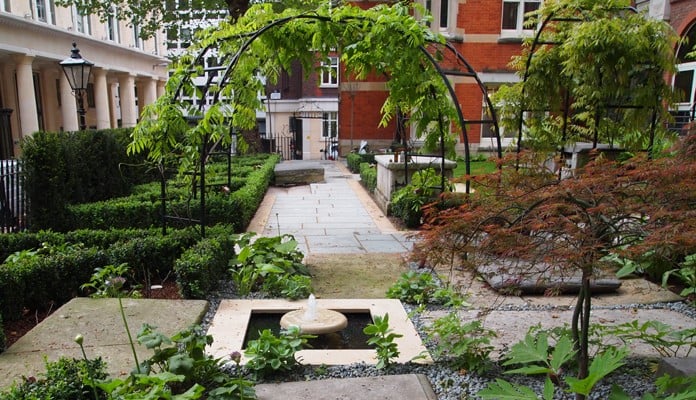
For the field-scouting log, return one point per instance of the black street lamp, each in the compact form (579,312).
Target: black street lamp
(77,70)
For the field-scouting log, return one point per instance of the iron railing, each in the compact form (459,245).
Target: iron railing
(13,203)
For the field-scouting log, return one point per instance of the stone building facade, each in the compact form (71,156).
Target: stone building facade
(36,35)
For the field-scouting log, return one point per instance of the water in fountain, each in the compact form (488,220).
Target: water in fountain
(310,313)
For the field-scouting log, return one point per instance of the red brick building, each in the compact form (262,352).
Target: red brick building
(486,33)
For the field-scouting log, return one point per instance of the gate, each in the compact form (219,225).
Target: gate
(13,204)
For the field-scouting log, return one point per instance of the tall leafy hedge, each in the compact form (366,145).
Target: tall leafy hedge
(63,168)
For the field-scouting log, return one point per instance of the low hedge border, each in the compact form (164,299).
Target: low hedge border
(142,211)
(368,176)
(200,269)
(55,272)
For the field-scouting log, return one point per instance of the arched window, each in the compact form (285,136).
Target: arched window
(685,81)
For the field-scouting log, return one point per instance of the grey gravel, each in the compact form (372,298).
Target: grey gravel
(636,377)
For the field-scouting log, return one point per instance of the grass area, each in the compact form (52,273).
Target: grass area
(477,168)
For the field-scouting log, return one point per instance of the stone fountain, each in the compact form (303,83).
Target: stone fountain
(314,320)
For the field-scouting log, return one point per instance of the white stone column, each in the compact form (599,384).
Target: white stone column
(26,99)
(129,111)
(114,108)
(101,99)
(68,106)
(51,111)
(9,99)
(149,95)
(161,88)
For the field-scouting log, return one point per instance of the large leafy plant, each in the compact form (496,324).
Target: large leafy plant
(271,354)
(272,264)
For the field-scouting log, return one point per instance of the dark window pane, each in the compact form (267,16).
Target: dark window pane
(510,15)
(683,83)
(444,13)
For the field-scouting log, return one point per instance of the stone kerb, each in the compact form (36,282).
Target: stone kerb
(391,174)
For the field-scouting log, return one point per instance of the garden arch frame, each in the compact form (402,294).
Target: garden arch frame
(537,42)
(457,66)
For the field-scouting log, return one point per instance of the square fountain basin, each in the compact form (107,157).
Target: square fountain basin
(229,327)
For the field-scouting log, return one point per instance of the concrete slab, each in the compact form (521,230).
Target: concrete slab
(298,173)
(391,387)
(99,321)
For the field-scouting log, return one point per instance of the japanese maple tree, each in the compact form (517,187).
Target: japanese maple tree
(529,220)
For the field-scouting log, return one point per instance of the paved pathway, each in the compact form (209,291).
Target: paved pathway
(335,216)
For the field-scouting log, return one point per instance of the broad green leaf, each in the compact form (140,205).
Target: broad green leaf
(602,365)
(504,390)
(549,389)
(562,353)
(530,370)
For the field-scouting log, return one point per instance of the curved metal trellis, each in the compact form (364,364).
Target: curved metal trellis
(455,65)
(567,101)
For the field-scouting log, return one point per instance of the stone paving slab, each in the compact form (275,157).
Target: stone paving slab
(100,323)
(512,326)
(391,387)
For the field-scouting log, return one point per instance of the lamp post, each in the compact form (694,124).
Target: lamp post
(78,70)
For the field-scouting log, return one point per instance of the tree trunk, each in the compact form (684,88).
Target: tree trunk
(581,327)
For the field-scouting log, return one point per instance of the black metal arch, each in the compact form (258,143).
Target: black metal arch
(462,68)
(566,108)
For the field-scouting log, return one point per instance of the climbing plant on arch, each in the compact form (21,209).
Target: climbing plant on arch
(384,40)
(593,72)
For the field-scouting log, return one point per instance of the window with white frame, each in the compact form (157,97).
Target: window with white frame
(44,11)
(684,83)
(442,12)
(112,29)
(329,124)
(81,22)
(5,5)
(488,137)
(515,16)
(329,72)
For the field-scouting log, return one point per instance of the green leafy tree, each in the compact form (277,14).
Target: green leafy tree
(607,65)
(385,40)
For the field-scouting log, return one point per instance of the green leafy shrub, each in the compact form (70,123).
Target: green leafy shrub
(64,379)
(407,203)
(421,288)
(150,256)
(270,354)
(200,268)
(64,168)
(467,345)
(35,279)
(354,160)
(270,264)
(368,176)
(382,337)
(535,355)
(686,273)
(120,213)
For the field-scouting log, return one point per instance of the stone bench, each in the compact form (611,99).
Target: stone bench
(291,173)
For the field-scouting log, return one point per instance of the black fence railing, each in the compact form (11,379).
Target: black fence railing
(13,203)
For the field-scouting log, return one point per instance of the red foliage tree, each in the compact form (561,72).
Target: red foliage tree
(529,221)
